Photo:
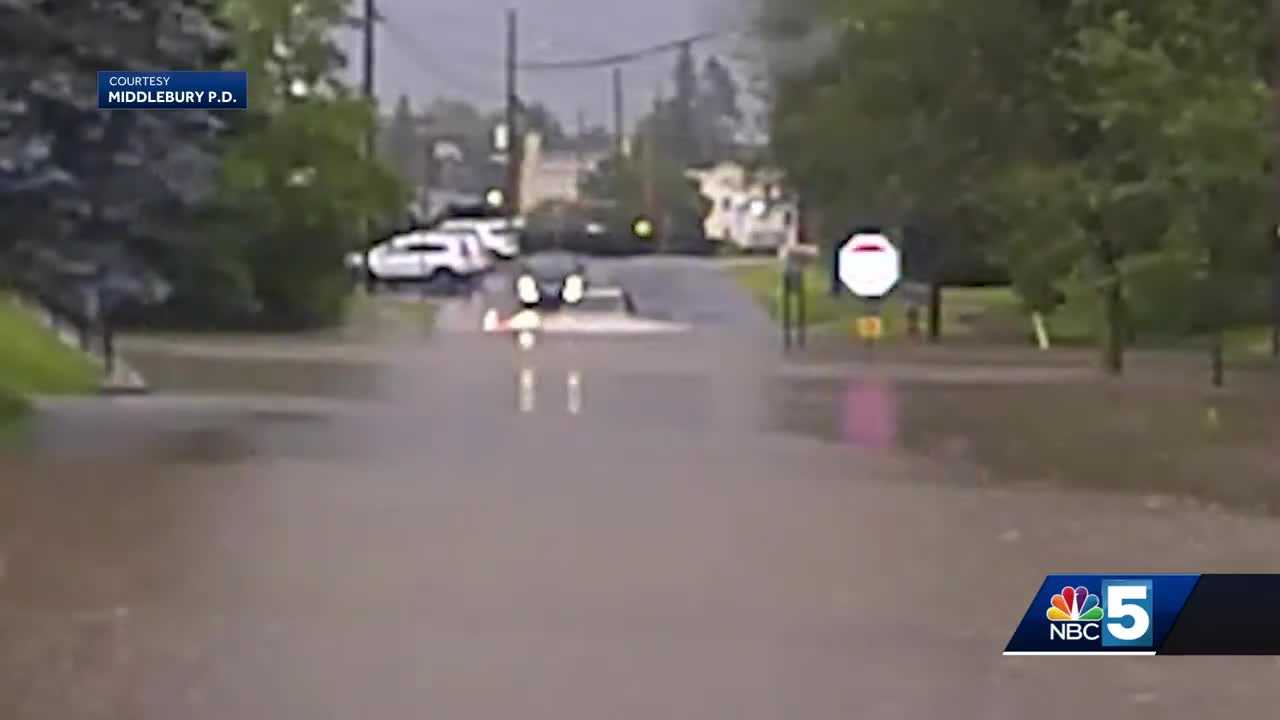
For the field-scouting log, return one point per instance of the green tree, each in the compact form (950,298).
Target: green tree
(718,112)
(677,206)
(1157,185)
(1091,144)
(77,183)
(297,173)
(401,147)
(681,131)
(459,118)
(537,117)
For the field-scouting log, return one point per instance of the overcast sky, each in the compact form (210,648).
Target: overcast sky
(454,48)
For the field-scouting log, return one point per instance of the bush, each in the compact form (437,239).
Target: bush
(1165,296)
(1169,296)
(11,406)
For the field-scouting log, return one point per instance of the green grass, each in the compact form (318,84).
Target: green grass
(34,362)
(982,313)
(966,312)
(764,282)
(987,314)
(1248,343)
(11,405)
(369,316)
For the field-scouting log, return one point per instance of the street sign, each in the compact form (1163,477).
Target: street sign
(870,327)
(869,265)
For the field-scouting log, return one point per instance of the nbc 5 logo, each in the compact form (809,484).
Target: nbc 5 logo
(1128,605)
(1120,618)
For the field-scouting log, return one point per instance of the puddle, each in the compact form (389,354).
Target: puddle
(306,378)
(1098,435)
(165,438)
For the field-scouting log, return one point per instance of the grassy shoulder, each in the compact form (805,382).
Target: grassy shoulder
(35,362)
(11,405)
(967,312)
(992,314)
(370,316)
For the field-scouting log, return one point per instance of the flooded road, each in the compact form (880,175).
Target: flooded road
(681,526)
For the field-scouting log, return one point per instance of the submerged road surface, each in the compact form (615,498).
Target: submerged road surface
(602,527)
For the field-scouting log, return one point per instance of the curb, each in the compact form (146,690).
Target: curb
(124,380)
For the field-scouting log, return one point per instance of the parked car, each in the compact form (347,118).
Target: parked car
(426,256)
(500,234)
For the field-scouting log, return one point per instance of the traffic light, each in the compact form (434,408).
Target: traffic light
(642,228)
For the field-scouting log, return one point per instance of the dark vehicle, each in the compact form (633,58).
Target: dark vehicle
(551,281)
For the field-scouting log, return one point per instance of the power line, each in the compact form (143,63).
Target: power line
(625,57)
(432,66)
(394,25)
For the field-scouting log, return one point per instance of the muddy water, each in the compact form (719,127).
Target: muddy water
(1214,447)
(622,528)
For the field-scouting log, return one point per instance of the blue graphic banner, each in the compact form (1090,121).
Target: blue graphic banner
(1102,614)
(182,89)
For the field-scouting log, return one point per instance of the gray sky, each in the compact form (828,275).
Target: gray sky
(455,48)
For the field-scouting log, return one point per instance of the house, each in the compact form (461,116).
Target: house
(750,209)
(555,174)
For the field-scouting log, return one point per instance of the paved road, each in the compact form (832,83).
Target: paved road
(688,291)
(599,528)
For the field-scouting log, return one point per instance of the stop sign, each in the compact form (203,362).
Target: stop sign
(869,265)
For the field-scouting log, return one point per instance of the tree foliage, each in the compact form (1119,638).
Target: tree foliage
(1115,146)
(401,146)
(245,213)
(717,111)
(296,174)
(83,185)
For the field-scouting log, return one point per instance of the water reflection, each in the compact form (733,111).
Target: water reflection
(870,414)
(574,392)
(167,372)
(527,391)
(192,435)
(1145,439)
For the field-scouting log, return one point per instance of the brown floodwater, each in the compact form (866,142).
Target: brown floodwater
(675,527)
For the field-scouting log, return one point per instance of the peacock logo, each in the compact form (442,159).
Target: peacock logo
(1074,605)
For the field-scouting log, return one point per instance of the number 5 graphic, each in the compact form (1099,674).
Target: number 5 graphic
(1128,605)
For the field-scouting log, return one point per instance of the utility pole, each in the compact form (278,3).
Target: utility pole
(577,153)
(428,171)
(650,191)
(515,138)
(1275,233)
(369,15)
(619,130)
(371,137)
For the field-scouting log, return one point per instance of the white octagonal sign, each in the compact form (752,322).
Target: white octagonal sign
(869,265)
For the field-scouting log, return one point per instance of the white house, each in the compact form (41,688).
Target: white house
(553,175)
(750,210)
